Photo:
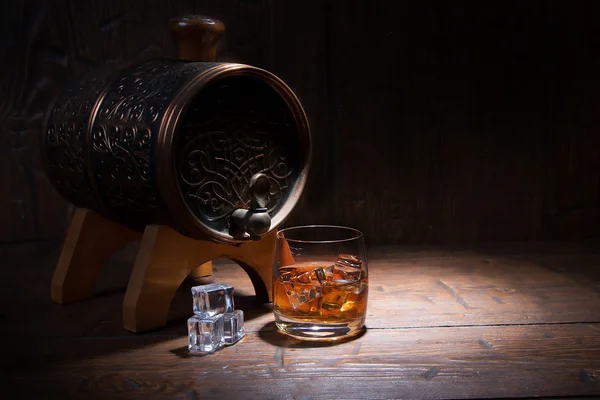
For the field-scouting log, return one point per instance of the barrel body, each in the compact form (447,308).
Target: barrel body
(176,143)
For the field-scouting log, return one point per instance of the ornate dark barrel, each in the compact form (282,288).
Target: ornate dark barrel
(215,150)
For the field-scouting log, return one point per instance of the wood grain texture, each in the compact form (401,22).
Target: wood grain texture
(434,331)
(34,61)
(433,123)
(447,148)
(472,362)
(575,206)
(90,242)
(476,291)
(432,287)
(165,260)
(300,40)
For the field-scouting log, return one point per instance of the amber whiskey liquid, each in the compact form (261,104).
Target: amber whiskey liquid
(320,300)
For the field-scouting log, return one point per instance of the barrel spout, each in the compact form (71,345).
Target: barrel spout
(255,222)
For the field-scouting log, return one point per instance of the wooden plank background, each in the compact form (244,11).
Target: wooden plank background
(433,123)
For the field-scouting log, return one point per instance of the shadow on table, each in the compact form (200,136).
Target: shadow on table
(268,333)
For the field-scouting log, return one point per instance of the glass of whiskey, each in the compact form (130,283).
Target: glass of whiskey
(320,282)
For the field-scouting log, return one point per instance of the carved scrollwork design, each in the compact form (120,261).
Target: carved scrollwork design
(125,131)
(235,127)
(65,138)
(227,137)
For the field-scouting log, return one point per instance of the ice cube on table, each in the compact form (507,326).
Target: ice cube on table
(205,333)
(233,327)
(213,299)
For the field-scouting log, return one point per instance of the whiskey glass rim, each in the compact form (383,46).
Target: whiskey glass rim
(355,234)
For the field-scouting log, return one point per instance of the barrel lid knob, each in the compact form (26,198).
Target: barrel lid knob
(197,37)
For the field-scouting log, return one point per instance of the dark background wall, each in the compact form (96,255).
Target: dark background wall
(434,122)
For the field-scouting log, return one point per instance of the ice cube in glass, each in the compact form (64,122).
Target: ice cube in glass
(305,287)
(348,260)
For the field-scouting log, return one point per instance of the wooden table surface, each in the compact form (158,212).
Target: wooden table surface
(501,321)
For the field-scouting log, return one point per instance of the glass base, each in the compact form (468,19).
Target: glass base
(315,331)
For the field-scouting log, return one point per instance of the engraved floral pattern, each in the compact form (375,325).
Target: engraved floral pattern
(66,137)
(234,129)
(228,136)
(125,130)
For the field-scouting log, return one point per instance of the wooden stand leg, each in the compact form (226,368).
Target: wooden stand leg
(201,271)
(256,258)
(166,258)
(90,241)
